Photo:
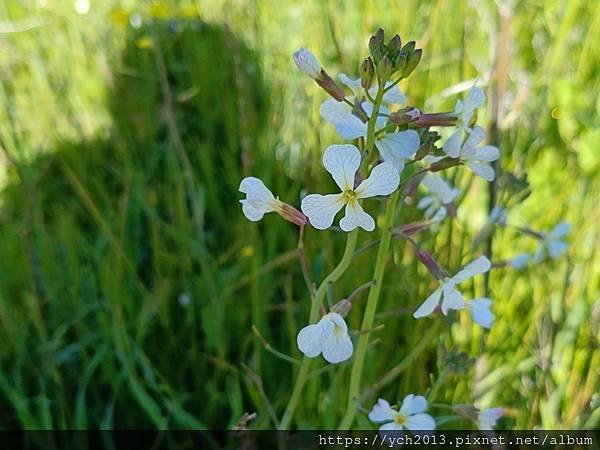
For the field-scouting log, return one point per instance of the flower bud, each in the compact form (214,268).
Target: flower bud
(342,307)
(410,229)
(384,69)
(409,47)
(367,71)
(436,120)
(412,62)
(307,63)
(376,46)
(393,45)
(444,164)
(400,62)
(433,267)
(327,83)
(411,187)
(404,116)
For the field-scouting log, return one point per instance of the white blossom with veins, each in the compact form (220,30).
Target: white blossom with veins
(342,162)
(259,199)
(487,418)
(411,415)
(307,63)
(477,158)
(393,147)
(447,293)
(440,195)
(328,336)
(464,111)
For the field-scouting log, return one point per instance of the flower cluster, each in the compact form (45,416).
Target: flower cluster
(393,151)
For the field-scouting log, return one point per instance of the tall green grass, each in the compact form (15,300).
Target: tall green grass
(130,281)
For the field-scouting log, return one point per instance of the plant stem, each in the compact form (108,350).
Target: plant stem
(367,323)
(314,313)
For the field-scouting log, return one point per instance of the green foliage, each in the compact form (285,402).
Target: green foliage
(127,301)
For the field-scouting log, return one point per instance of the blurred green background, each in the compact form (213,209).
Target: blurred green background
(130,280)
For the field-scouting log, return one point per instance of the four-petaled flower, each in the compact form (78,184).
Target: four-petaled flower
(464,112)
(487,418)
(410,416)
(328,336)
(307,63)
(393,147)
(440,195)
(342,162)
(447,293)
(260,200)
(551,243)
(477,158)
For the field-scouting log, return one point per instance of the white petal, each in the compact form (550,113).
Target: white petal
(396,147)
(337,347)
(342,162)
(437,186)
(481,311)
(333,111)
(391,426)
(351,127)
(356,217)
(382,412)
(475,137)
(394,95)
(420,422)
(352,84)
(475,267)
(413,404)
(483,170)
(487,153)
(519,261)
(311,338)
(321,209)
(425,202)
(556,248)
(487,418)
(429,304)
(339,321)
(560,230)
(452,144)
(383,180)
(307,63)
(438,215)
(475,99)
(259,200)
(452,298)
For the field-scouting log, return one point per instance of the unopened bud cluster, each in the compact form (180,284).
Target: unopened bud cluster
(392,58)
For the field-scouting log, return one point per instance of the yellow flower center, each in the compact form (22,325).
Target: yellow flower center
(400,419)
(350,196)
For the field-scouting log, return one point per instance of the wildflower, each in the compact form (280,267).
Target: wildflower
(328,336)
(260,200)
(478,159)
(552,243)
(342,162)
(480,309)
(393,147)
(441,194)
(447,293)
(307,63)
(519,261)
(464,113)
(411,415)
(487,418)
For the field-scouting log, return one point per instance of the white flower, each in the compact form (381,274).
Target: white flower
(487,418)
(328,336)
(553,243)
(441,194)
(393,147)
(260,200)
(480,309)
(447,293)
(307,63)
(478,158)
(410,416)
(464,111)
(342,162)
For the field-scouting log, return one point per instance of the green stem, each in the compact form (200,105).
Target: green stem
(314,314)
(369,317)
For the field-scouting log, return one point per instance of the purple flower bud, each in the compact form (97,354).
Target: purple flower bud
(433,267)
